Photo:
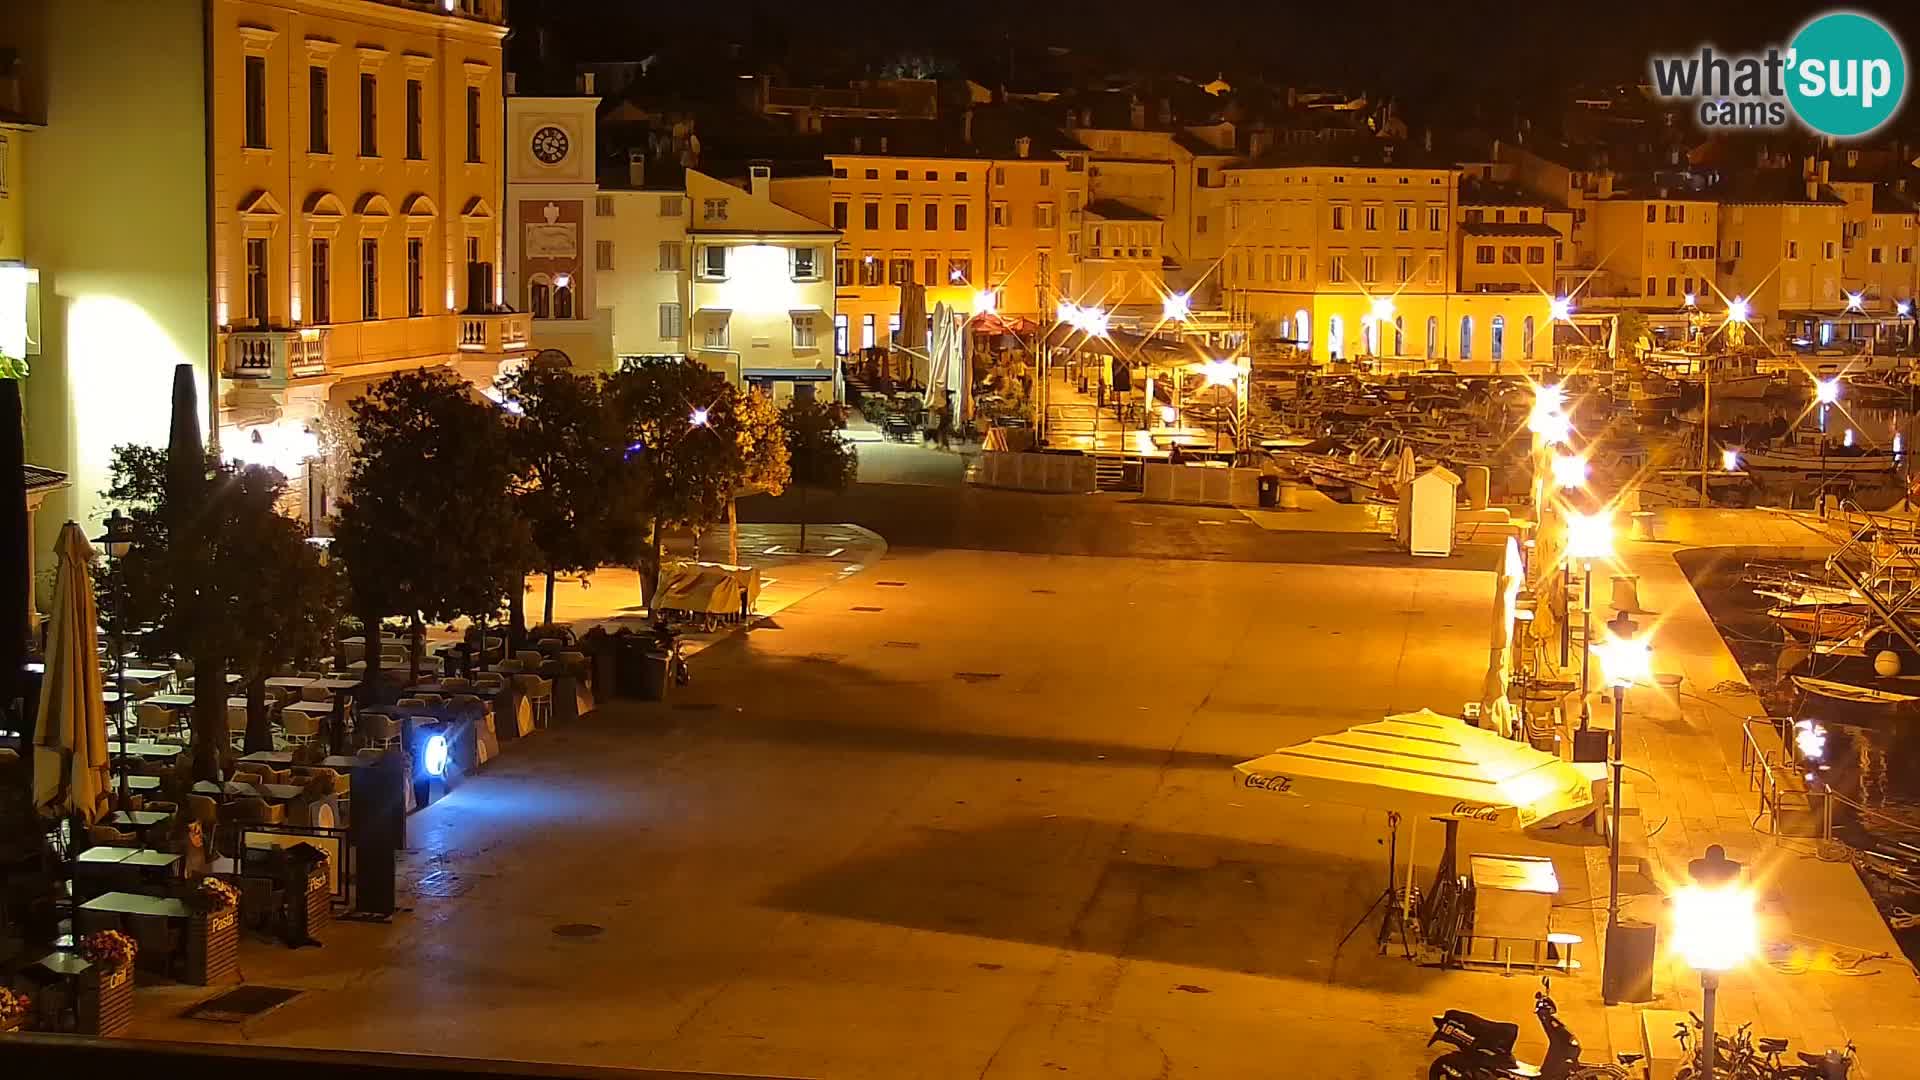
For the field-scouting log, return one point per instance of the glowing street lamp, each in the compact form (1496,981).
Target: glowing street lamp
(117,541)
(1381,309)
(1856,302)
(1627,661)
(1554,430)
(1903,309)
(1221,372)
(699,418)
(1569,471)
(1067,313)
(1738,310)
(984,302)
(1690,300)
(1560,308)
(1730,459)
(1826,392)
(1175,307)
(1715,930)
(1589,537)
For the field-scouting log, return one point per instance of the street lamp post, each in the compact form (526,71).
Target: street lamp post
(1589,537)
(1826,392)
(1714,929)
(1627,661)
(116,541)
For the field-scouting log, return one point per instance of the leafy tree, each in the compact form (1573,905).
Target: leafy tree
(239,584)
(763,448)
(681,421)
(427,525)
(821,457)
(1630,329)
(570,452)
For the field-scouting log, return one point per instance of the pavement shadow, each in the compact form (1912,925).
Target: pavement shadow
(1127,892)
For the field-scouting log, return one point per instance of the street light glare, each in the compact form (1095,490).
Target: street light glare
(1589,536)
(1176,307)
(1855,301)
(1714,926)
(1560,307)
(983,302)
(1221,372)
(1382,309)
(699,418)
(1691,300)
(1554,429)
(1730,459)
(1569,471)
(1827,391)
(1627,661)
(1738,310)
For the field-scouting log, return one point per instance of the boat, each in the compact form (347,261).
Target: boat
(1836,460)
(1817,620)
(1859,695)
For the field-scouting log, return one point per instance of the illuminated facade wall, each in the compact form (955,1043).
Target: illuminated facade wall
(760,289)
(117,229)
(1785,256)
(1877,244)
(646,289)
(1653,252)
(356,161)
(558,251)
(1029,257)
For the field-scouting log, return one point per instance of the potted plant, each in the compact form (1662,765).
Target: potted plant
(105,1000)
(14,1007)
(213,933)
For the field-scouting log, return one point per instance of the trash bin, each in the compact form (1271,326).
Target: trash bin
(1627,971)
(652,683)
(630,661)
(1269,491)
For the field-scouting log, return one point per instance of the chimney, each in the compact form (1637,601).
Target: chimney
(586,83)
(1022,146)
(760,181)
(1496,151)
(512,85)
(1806,167)
(637,167)
(1823,169)
(1137,116)
(1426,141)
(1813,189)
(1853,158)
(1163,114)
(856,144)
(883,144)
(966,127)
(1086,116)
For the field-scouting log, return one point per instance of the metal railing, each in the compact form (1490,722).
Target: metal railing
(1770,773)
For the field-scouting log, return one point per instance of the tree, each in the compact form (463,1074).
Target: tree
(1629,332)
(681,423)
(763,449)
(427,524)
(239,584)
(821,457)
(570,453)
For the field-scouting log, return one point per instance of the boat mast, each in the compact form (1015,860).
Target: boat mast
(1706,424)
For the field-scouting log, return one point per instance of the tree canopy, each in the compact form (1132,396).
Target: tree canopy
(820,456)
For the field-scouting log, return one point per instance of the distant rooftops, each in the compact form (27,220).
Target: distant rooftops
(1508,228)
(1361,153)
(1115,210)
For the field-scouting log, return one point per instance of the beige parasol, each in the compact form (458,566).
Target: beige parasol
(70,737)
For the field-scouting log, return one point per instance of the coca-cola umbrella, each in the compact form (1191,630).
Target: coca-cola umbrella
(1424,764)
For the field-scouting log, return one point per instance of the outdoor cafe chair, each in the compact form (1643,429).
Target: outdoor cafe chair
(299,728)
(109,836)
(312,675)
(157,722)
(539,695)
(382,732)
(315,693)
(530,659)
(490,680)
(550,645)
(509,667)
(454,684)
(253,810)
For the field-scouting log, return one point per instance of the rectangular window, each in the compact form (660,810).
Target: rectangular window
(933,216)
(1536,254)
(959,217)
(959,269)
(870,215)
(369,114)
(473,123)
(671,206)
(1873,255)
(1337,268)
(866,331)
(803,332)
(871,272)
(1736,249)
(900,213)
(1826,250)
(998,215)
(1906,254)
(416,120)
(1793,249)
(603,254)
(899,271)
(899,174)
(1372,217)
(1404,269)
(256,105)
(257,281)
(999,177)
(1653,213)
(1436,219)
(669,256)
(715,334)
(317,110)
(1483,254)
(1406,218)
(1339,217)
(806,264)
(1043,215)
(932,175)
(842,272)
(1671,287)
(1368,269)
(603,206)
(1200,225)
(840,333)
(1653,287)
(873,174)
(320,283)
(670,321)
(1434,273)
(715,261)
(416,273)
(476,285)
(929,270)
(713,209)
(840,215)
(369,279)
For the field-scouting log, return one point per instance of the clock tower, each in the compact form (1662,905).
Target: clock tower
(551,227)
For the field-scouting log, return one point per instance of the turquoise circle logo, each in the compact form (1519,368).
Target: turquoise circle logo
(1846,74)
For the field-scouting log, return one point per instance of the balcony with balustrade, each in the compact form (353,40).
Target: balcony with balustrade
(267,359)
(504,333)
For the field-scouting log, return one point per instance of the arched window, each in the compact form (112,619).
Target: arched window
(1433,336)
(538,294)
(1336,335)
(1466,337)
(563,302)
(1499,328)
(1526,337)
(1399,335)
(1303,328)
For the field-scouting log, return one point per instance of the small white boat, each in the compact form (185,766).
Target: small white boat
(1803,459)
(1860,695)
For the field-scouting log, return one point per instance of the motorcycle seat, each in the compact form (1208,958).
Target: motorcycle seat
(1486,1034)
(1818,1061)
(1629,1059)
(1521,1069)
(1773,1046)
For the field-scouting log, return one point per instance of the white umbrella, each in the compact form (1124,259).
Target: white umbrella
(70,759)
(1427,764)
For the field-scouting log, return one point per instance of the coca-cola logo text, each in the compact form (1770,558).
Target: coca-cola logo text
(1269,782)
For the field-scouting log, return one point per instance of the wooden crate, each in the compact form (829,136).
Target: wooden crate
(213,948)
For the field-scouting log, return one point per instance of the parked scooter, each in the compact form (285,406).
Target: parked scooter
(1485,1048)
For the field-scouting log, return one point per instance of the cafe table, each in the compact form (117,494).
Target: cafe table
(288,682)
(234,789)
(337,684)
(313,708)
(137,819)
(103,854)
(151,751)
(171,701)
(125,903)
(141,783)
(277,758)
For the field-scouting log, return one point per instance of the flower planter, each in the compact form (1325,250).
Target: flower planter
(213,947)
(308,907)
(9,1025)
(105,1003)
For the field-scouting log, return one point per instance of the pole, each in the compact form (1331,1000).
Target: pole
(120,685)
(1586,648)
(1821,495)
(1566,604)
(1706,425)
(1613,848)
(1709,990)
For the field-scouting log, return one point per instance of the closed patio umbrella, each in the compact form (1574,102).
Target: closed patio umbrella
(70,739)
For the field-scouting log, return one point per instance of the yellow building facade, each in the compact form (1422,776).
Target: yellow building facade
(1651,253)
(1360,260)
(1033,209)
(1780,237)
(357,181)
(1880,231)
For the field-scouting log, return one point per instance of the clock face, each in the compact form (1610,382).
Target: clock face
(549,145)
